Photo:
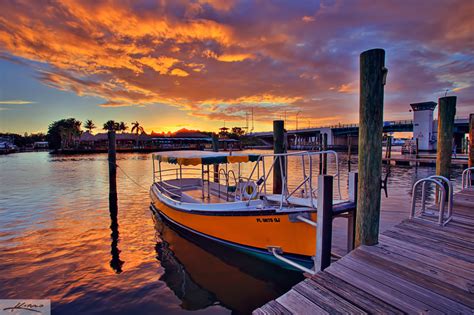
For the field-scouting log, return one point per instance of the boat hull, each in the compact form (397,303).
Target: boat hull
(249,231)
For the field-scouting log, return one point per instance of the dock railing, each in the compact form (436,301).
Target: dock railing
(467,177)
(440,183)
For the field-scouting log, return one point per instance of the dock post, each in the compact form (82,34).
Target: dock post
(372,81)
(349,152)
(278,147)
(115,261)
(112,170)
(325,156)
(324,219)
(446,113)
(351,220)
(471,141)
(215,148)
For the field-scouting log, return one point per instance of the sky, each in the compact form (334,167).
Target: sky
(205,63)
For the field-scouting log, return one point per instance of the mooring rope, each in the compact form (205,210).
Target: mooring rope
(131,179)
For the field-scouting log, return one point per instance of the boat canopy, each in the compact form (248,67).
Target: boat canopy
(204,157)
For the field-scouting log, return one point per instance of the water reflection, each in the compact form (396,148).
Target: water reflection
(115,262)
(202,273)
(61,240)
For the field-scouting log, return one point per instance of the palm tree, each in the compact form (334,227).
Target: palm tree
(137,129)
(123,126)
(89,125)
(68,130)
(111,125)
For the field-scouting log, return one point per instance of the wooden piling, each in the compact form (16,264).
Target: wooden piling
(471,141)
(372,80)
(112,170)
(320,138)
(215,148)
(324,219)
(351,219)
(325,156)
(349,140)
(446,113)
(278,147)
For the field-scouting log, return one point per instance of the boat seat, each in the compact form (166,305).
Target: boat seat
(303,202)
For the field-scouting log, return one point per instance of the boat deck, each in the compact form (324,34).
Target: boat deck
(417,267)
(196,194)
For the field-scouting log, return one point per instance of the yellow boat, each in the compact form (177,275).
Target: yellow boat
(218,202)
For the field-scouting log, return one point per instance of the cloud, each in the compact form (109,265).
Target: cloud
(16,102)
(218,59)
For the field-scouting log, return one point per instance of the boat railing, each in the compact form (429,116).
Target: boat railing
(280,160)
(467,177)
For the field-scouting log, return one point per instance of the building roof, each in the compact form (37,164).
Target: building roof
(86,136)
(423,106)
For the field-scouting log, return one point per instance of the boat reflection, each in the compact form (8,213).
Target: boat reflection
(203,273)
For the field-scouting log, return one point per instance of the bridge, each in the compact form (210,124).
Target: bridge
(339,134)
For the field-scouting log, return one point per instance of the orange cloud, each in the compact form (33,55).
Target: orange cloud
(234,57)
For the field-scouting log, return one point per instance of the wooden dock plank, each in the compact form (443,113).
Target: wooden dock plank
(417,267)
(358,297)
(325,299)
(439,288)
(430,244)
(399,254)
(380,290)
(447,230)
(408,286)
(272,308)
(449,276)
(298,304)
(436,232)
(415,249)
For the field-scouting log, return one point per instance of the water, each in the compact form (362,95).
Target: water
(57,242)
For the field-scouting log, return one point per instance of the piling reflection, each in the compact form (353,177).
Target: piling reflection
(202,273)
(115,262)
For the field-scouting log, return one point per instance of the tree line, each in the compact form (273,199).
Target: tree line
(61,133)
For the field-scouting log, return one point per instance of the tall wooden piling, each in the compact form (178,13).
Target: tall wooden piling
(446,113)
(278,147)
(112,170)
(372,80)
(471,140)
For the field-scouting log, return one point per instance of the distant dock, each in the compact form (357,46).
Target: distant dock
(422,160)
(417,267)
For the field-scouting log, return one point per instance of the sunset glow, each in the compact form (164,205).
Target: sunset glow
(197,64)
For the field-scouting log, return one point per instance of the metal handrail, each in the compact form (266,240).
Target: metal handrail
(450,194)
(423,201)
(467,177)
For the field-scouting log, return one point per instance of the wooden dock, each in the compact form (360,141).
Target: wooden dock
(421,160)
(417,267)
